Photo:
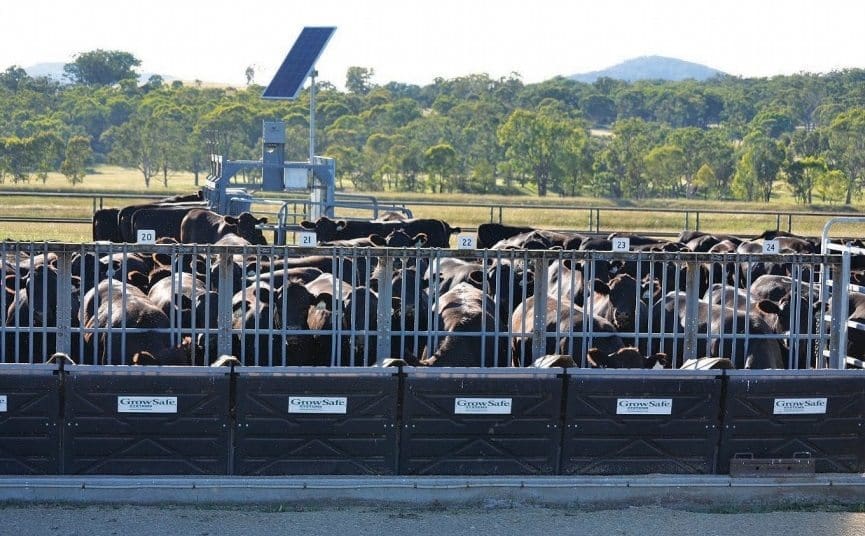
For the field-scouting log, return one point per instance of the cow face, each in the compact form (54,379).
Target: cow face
(247,228)
(325,228)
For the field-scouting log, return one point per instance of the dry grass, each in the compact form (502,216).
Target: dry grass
(465,210)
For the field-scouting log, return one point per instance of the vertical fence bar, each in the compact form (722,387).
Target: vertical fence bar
(226,292)
(840,313)
(692,293)
(539,341)
(64,303)
(385,306)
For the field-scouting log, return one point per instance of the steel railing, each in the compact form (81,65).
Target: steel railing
(283,305)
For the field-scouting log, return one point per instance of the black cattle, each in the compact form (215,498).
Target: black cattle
(33,307)
(164,221)
(352,310)
(467,315)
(725,327)
(125,306)
(624,358)
(537,239)
(411,314)
(106,226)
(621,303)
(280,277)
(370,241)
(185,300)
(509,283)
(438,232)
(401,239)
(856,313)
(491,233)
(253,315)
(445,273)
(775,287)
(127,213)
(202,226)
(566,331)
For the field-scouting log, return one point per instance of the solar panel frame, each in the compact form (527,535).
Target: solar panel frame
(298,64)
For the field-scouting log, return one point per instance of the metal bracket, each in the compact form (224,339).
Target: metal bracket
(746,465)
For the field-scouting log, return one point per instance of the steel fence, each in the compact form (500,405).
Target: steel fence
(126,304)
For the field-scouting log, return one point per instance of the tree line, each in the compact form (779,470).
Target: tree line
(727,137)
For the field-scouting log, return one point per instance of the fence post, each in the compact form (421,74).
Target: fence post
(385,306)
(539,323)
(64,303)
(226,292)
(692,292)
(840,313)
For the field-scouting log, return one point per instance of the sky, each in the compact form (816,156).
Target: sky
(416,42)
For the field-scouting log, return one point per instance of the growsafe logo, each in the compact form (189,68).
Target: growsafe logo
(147,404)
(644,406)
(800,406)
(482,406)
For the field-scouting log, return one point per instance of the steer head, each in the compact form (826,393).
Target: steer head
(628,357)
(325,228)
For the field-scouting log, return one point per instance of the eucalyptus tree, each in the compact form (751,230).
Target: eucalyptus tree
(78,154)
(847,148)
(102,67)
(439,161)
(535,142)
(758,167)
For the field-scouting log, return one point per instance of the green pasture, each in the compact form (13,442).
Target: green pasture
(52,200)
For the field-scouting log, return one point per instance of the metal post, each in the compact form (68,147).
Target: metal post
(385,291)
(224,317)
(312,76)
(64,303)
(840,314)
(539,325)
(692,292)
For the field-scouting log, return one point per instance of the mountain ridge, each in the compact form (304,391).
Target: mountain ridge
(651,68)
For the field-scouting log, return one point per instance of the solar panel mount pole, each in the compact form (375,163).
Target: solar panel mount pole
(312,75)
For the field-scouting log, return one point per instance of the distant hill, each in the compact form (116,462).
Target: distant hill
(55,71)
(651,68)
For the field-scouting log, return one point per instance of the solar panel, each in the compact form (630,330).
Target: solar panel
(298,64)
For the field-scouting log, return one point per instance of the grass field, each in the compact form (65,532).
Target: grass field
(467,210)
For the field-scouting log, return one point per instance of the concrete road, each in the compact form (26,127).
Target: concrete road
(490,519)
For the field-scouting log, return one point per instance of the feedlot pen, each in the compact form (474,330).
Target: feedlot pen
(411,362)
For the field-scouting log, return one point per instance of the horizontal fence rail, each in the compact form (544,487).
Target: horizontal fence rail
(595,219)
(110,304)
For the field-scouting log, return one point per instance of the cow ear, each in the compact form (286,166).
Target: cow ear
(769,307)
(377,240)
(231,220)
(601,288)
(144,358)
(596,358)
(137,279)
(340,225)
(420,239)
(262,220)
(307,225)
(476,278)
(395,303)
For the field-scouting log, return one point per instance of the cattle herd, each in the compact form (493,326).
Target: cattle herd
(390,291)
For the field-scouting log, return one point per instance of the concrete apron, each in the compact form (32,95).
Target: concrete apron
(672,491)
